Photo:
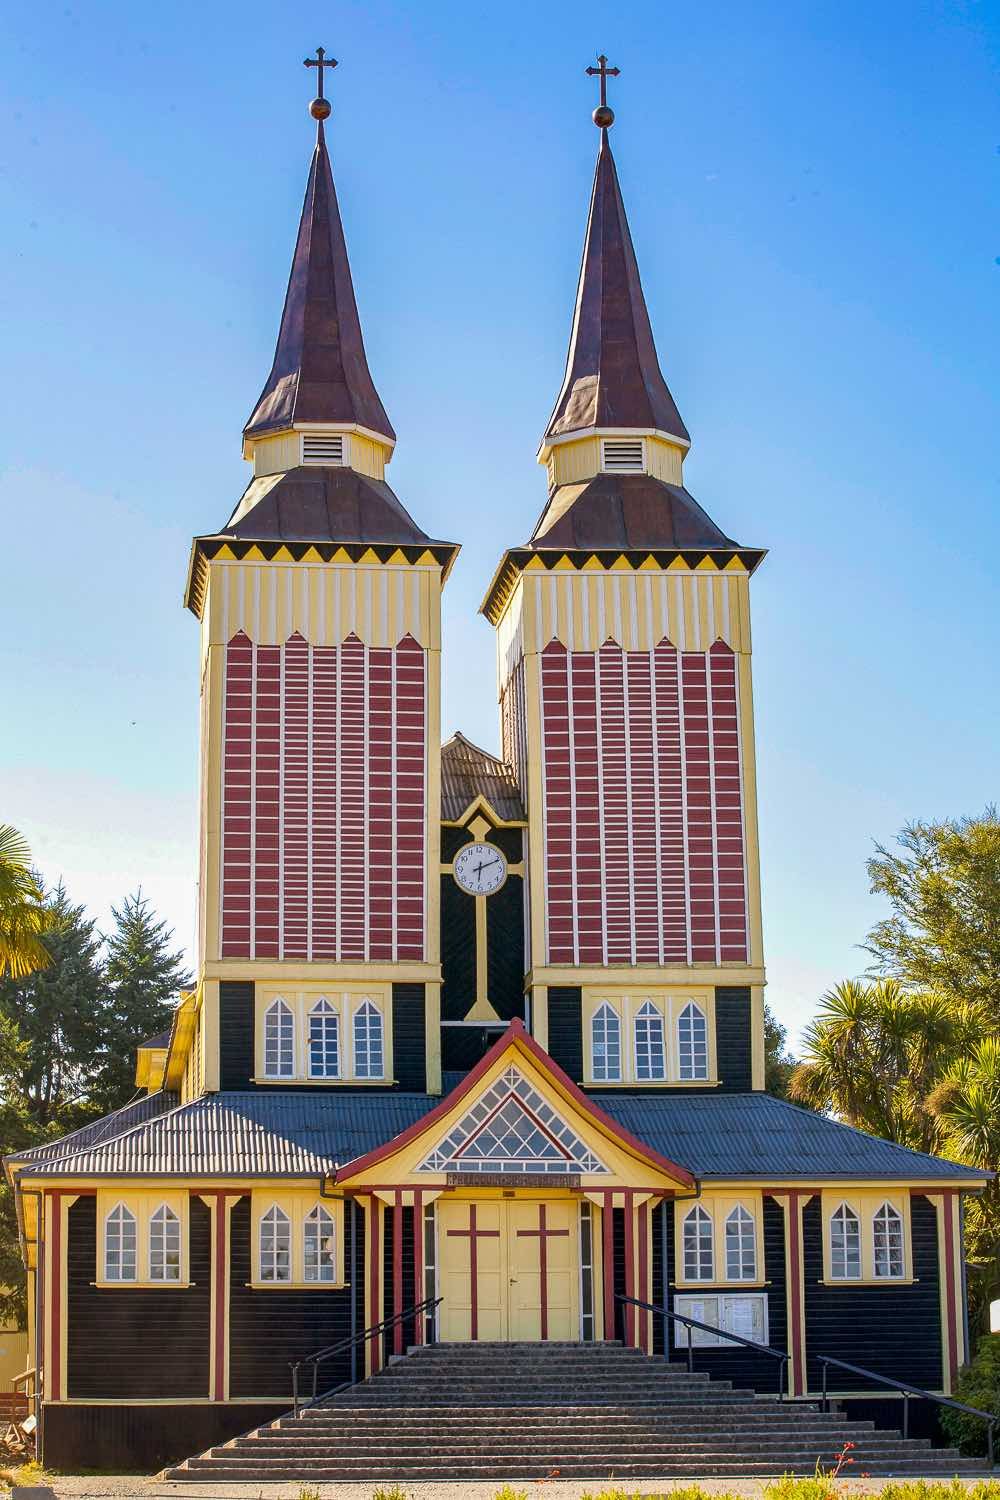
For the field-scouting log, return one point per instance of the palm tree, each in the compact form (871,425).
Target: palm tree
(22,914)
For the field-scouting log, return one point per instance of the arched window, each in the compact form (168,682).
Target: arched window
(275,1246)
(319,1246)
(120,1245)
(741,1246)
(699,1257)
(279,1041)
(164,1245)
(368,1055)
(324,1041)
(888,1230)
(650,1048)
(692,1042)
(606,1045)
(845,1244)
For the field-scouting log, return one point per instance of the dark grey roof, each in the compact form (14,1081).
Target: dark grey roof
(161,1040)
(756,1135)
(304,1135)
(467,772)
(104,1129)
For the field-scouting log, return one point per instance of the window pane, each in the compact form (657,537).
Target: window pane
(120,1245)
(650,1049)
(279,1041)
(888,1231)
(741,1246)
(692,1043)
(164,1245)
(368,1042)
(324,1041)
(699,1260)
(606,1045)
(275,1246)
(319,1246)
(845,1244)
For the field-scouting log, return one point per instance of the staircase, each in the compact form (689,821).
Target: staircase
(527,1411)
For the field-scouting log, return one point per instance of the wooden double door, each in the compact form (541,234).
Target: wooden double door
(508,1269)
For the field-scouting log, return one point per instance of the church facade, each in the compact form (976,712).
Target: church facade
(477,1044)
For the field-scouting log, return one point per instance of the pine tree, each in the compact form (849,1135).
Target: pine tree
(143,974)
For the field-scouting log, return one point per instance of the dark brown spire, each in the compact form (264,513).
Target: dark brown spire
(613,377)
(320,372)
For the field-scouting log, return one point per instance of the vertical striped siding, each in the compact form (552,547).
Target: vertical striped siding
(643,818)
(324,801)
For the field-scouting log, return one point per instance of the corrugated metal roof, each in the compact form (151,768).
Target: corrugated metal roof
(303,1135)
(467,772)
(104,1129)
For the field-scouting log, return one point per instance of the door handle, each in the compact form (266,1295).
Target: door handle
(513,1280)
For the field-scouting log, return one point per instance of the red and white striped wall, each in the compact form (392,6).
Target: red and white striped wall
(644,844)
(324,800)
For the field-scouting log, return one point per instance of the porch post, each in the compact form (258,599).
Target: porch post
(397,1269)
(418,1263)
(373,1229)
(792,1204)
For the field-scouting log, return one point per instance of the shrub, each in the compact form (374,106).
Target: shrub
(978,1385)
(394,1492)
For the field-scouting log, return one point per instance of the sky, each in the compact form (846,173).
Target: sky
(812,190)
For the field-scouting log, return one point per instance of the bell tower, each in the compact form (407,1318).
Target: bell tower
(623,642)
(319,603)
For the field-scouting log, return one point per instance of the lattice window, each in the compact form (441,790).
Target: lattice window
(120,1245)
(324,1041)
(164,1245)
(692,1043)
(319,1246)
(275,1246)
(699,1247)
(279,1041)
(845,1244)
(888,1233)
(512,1128)
(650,1045)
(368,1049)
(741,1246)
(606,1045)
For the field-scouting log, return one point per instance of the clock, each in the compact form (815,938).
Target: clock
(480,869)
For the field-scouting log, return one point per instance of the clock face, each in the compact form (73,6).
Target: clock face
(480,869)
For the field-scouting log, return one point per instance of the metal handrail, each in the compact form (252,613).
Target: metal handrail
(733,1338)
(989,1417)
(352,1342)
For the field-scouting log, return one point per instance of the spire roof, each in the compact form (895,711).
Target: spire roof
(320,372)
(613,377)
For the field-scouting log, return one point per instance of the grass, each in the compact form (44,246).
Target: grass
(821,1486)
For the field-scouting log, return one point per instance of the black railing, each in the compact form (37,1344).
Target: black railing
(730,1338)
(353,1343)
(989,1417)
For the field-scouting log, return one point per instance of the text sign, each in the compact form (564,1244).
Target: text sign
(513,1179)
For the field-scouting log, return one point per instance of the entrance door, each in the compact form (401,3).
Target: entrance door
(509,1269)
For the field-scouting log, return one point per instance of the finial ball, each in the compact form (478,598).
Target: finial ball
(321,109)
(604,116)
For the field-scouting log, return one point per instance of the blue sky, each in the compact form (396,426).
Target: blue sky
(812,189)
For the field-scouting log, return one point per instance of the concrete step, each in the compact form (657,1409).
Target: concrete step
(724,1467)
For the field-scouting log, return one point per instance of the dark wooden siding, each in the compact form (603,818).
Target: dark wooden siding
(141,1439)
(733,1039)
(452,840)
(458,950)
(389,1279)
(893,1330)
(505,949)
(269,1329)
(144,1342)
(742,1366)
(463,1046)
(566,1030)
(409,1039)
(236,1041)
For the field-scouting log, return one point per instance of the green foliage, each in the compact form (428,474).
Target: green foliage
(819,1487)
(396,1492)
(979,1386)
(508,1492)
(309,1492)
(21,914)
(779,1064)
(949,1489)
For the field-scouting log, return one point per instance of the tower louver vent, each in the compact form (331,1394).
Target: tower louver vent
(323,448)
(623,455)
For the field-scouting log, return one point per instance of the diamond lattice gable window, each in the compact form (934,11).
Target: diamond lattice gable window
(512,1128)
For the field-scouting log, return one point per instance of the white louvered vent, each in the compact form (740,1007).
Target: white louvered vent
(623,455)
(323,448)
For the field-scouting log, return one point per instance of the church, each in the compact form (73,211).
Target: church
(476,1049)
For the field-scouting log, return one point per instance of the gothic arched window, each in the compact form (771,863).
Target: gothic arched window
(275,1246)
(650,1044)
(888,1234)
(279,1041)
(368,1050)
(164,1245)
(698,1246)
(324,1041)
(692,1042)
(120,1245)
(741,1245)
(319,1261)
(606,1045)
(845,1244)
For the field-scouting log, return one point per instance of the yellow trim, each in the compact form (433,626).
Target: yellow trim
(866,1204)
(758,1058)
(540,1015)
(142,1204)
(346,1000)
(301,975)
(182,1035)
(297,1207)
(625,975)
(748,770)
(626,1004)
(432,1035)
(150,1066)
(719,1206)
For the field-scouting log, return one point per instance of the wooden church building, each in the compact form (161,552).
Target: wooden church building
(474,1031)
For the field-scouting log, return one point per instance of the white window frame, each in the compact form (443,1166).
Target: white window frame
(166,1228)
(843,1217)
(304,1004)
(649,1017)
(889,1214)
(280,1015)
(327,1016)
(275,1220)
(117,1221)
(745,1225)
(694,1247)
(142,1206)
(361,1022)
(698,1015)
(302,1216)
(608,1015)
(629,1006)
(320,1225)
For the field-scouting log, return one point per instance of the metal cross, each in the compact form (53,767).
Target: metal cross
(603,72)
(321,61)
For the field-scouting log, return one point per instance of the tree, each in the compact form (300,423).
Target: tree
(21,909)
(944,930)
(142,975)
(779,1064)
